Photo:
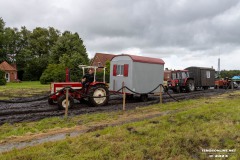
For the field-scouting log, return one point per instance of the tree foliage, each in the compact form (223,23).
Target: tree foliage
(53,73)
(2,78)
(230,73)
(3,55)
(33,51)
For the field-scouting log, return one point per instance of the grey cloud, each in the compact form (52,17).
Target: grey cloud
(176,27)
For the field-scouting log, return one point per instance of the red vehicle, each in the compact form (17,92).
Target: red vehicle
(225,83)
(222,83)
(179,81)
(96,93)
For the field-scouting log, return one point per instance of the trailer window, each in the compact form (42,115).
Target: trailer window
(208,74)
(119,70)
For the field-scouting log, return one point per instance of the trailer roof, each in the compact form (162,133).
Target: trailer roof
(143,59)
(199,68)
(179,70)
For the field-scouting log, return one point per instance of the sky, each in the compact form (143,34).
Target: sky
(183,33)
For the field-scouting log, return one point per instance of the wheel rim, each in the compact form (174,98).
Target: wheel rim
(99,93)
(191,86)
(64,103)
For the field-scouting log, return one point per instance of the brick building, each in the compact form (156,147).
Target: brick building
(100,59)
(10,71)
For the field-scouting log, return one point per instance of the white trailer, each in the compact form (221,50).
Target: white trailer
(140,74)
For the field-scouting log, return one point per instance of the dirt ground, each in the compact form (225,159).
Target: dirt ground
(35,110)
(32,109)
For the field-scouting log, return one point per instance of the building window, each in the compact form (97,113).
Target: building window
(120,70)
(208,74)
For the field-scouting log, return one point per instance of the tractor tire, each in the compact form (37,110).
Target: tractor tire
(177,89)
(144,97)
(190,87)
(51,101)
(205,87)
(98,91)
(62,102)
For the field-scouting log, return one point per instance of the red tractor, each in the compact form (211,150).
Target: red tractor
(179,81)
(97,93)
(225,83)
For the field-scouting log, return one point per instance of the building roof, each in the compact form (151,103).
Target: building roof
(101,58)
(144,59)
(7,67)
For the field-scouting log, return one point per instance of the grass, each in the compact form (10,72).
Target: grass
(23,89)
(207,123)
(20,129)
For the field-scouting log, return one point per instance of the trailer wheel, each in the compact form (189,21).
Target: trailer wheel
(144,97)
(129,96)
(205,87)
(190,86)
(62,102)
(98,91)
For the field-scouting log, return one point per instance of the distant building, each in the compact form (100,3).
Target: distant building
(10,71)
(100,59)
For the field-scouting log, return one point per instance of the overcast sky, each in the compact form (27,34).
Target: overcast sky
(182,32)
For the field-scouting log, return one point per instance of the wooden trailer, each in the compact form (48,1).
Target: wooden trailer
(140,74)
(203,77)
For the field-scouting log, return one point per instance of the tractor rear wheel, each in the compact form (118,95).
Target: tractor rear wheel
(62,102)
(100,91)
(190,87)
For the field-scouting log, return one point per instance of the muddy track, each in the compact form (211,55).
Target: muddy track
(31,111)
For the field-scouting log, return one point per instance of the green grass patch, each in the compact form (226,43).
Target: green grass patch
(25,84)
(22,89)
(208,123)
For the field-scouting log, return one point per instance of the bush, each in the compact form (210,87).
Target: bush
(2,78)
(53,73)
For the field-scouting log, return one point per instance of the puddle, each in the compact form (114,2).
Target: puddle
(51,138)
(61,136)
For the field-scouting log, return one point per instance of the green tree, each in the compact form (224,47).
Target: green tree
(2,78)
(34,50)
(24,54)
(107,71)
(70,45)
(3,55)
(11,43)
(53,73)
(70,52)
(229,73)
(36,53)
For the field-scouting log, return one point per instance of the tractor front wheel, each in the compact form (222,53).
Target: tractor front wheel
(51,101)
(177,89)
(62,102)
(98,95)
